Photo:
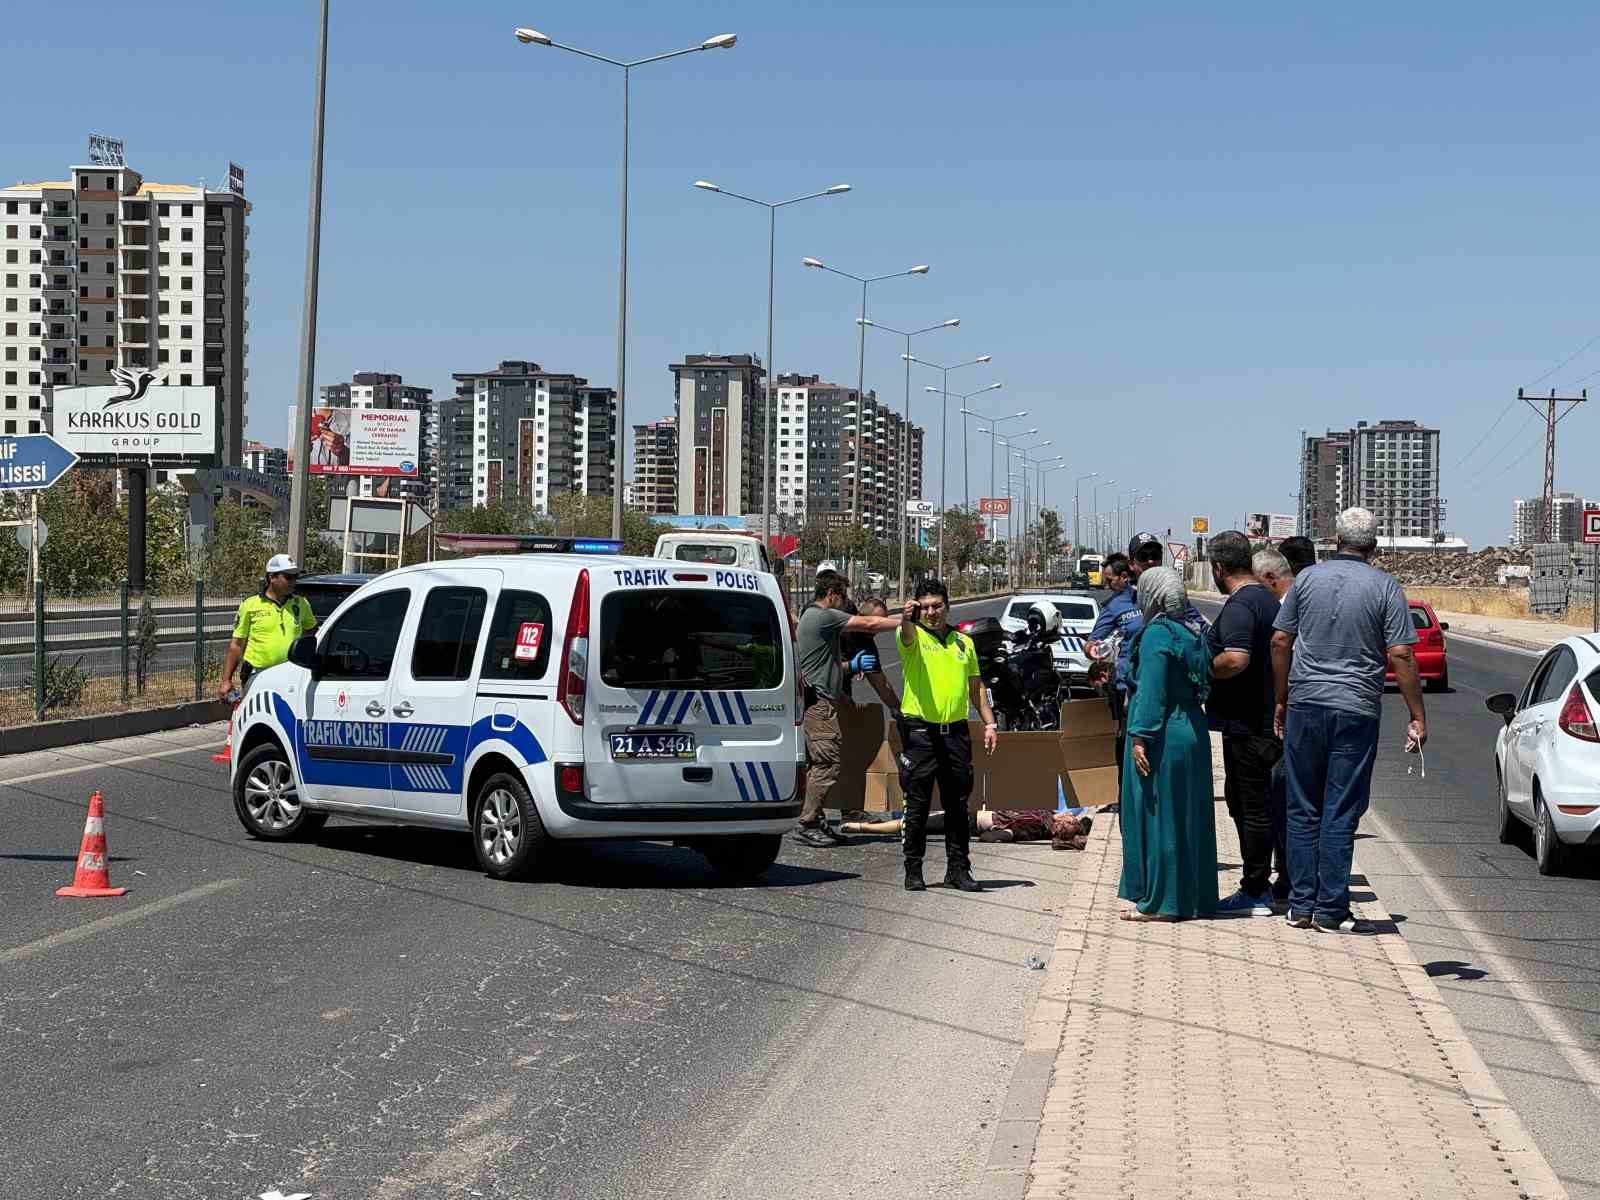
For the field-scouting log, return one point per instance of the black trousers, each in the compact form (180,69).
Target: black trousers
(1248,761)
(932,756)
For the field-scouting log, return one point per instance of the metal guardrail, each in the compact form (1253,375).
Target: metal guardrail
(68,658)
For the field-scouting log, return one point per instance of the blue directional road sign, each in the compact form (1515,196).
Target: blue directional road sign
(32,460)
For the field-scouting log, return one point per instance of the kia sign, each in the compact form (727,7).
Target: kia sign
(995,507)
(138,422)
(365,441)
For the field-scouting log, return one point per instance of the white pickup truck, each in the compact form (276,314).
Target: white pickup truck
(720,548)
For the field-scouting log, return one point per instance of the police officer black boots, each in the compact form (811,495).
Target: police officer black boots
(958,859)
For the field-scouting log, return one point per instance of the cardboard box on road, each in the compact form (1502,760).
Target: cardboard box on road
(1026,771)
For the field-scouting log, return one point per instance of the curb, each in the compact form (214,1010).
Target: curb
(1005,1175)
(1498,1120)
(50,735)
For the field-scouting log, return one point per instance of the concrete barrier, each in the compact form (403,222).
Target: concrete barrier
(48,735)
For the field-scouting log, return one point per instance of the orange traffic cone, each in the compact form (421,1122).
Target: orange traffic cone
(92,878)
(226,754)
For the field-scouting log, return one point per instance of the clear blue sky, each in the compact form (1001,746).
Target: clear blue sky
(1183,231)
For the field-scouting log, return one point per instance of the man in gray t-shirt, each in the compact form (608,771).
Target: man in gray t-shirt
(1341,625)
(819,656)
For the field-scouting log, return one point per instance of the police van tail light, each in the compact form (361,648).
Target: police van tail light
(573,683)
(1575,719)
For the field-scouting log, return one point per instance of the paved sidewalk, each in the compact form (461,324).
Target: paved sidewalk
(1528,633)
(1240,1057)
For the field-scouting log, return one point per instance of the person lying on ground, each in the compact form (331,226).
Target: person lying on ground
(1063,830)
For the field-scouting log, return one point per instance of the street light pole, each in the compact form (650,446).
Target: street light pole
(532,37)
(1096,496)
(944,432)
(861,368)
(905,432)
(300,486)
(769,390)
(1021,527)
(1077,520)
(989,433)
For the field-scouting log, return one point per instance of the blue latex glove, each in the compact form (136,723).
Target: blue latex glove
(863,662)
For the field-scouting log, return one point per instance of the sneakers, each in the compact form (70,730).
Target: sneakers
(819,837)
(1242,904)
(1348,925)
(1298,920)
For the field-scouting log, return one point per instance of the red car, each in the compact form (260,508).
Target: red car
(1432,664)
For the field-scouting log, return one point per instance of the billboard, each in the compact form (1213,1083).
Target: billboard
(1272,526)
(365,441)
(1199,524)
(137,422)
(996,507)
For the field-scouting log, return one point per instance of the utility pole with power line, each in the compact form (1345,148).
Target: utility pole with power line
(1553,414)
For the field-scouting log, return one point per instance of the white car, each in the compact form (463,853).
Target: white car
(533,699)
(1547,757)
(1078,610)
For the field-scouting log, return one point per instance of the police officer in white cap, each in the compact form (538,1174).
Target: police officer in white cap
(268,624)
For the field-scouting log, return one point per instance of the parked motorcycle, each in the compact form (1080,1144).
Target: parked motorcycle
(1019,670)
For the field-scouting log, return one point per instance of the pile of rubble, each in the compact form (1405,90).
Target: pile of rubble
(1431,568)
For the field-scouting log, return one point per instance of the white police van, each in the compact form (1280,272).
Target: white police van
(535,698)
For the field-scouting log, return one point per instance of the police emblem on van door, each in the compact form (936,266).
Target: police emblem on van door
(698,708)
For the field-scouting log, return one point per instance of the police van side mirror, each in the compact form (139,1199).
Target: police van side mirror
(304,653)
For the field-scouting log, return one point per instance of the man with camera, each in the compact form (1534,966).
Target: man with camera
(941,682)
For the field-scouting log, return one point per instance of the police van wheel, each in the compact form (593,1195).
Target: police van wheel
(266,800)
(506,831)
(741,859)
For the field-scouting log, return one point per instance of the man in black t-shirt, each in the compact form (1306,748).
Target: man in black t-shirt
(1241,709)
(859,651)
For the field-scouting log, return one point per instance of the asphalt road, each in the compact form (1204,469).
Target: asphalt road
(367,1015)
(1516,955)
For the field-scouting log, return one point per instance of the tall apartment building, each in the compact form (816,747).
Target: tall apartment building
(272,461)
(655,467)
(815,455)
(1395,465)
(521,434)
(103,269)
(1390,468)
(717,402)
(1324,481)
(378,389)
(1527,518)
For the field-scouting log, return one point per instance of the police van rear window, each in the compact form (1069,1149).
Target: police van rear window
(519,640)
(701,552)
(690,637)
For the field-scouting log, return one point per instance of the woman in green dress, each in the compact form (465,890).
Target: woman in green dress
(1169,839)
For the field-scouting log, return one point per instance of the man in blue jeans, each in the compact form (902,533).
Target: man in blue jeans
(1341,624)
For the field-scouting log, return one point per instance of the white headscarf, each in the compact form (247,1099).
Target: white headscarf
(1162,594)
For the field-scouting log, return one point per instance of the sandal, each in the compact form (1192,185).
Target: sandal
(1133,914)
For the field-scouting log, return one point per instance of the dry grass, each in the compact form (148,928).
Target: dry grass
(1495,602)
(103,694)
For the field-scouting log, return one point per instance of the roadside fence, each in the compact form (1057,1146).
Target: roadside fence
(78,656)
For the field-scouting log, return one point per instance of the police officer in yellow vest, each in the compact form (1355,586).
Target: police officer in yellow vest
(941,680)
(268,624)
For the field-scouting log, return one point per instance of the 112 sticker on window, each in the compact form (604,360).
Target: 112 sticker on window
(530,636)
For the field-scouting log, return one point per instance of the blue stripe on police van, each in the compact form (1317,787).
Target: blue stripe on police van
(711,708)
(744,711)
(644,713)
(683,708)
(727,709)
(737,778)
(766,769)
(664,713)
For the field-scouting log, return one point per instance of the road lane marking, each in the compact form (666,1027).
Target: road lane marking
(126,916)
(112,763)
(1563,1036)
